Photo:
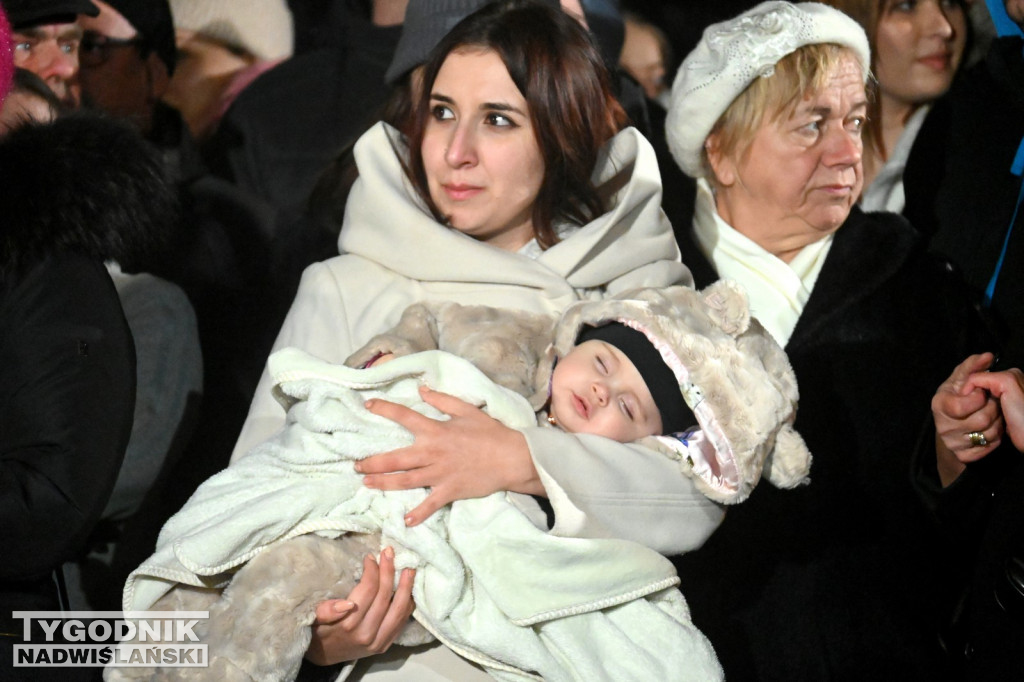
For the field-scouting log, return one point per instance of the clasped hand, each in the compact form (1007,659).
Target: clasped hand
(975,400)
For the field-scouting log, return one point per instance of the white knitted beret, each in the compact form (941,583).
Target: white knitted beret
(263,28)
(731,54)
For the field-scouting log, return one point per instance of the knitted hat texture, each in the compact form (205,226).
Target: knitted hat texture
(731,54)
(6,56)
(263,28)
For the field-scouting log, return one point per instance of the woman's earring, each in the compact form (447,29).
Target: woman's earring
(551,420)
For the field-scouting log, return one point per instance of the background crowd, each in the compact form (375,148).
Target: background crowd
(179,177)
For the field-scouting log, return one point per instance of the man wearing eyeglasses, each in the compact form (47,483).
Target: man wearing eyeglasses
(127,56)
(46,41)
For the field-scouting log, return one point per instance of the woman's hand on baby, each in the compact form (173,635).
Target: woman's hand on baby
(469,455)
(961,407)
(368,622)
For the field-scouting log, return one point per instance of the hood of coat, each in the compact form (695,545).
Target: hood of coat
(82,184)
(732,374)
(386,222)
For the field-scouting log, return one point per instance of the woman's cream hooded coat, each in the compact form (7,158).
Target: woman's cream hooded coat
(394,254)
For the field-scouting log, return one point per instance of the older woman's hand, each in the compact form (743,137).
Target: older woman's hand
(368,622)
(962,407)
(470,455)
(1008,387)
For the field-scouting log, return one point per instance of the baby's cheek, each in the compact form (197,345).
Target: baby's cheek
(612,427)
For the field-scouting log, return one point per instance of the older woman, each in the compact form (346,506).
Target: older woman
(842,579)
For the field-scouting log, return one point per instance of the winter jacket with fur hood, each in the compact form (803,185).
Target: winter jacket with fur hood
(75,193)
(395,254)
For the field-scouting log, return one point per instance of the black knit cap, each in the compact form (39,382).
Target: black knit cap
(676,415)
(153,20)
(26,13)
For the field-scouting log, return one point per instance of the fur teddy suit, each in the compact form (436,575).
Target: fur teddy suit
(733,374)
(735,378)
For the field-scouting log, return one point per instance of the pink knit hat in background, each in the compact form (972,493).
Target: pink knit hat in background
(6,56)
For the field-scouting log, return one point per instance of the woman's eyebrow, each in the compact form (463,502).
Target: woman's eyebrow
(825,110)
(484,106)
(501,106)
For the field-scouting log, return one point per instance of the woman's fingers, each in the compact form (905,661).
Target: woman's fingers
(386,617)
(985,420)
(420,513)
(1008,387)
(985,416)
(960,436)
(405,480)
(408,467)
(446,455)
(446,402)
(961,411)
(332,611)
(973,363)
(403,459)
(365,591)
(362,597)
(398,612)
(957,400)
(333,639)
(385,586)
(400,414)
(377,617)
(1008,383)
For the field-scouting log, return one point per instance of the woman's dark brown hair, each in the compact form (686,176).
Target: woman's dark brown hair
(559,71)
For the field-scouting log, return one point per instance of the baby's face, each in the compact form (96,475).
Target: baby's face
(596,389)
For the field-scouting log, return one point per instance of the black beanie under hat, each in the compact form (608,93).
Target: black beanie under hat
(153,20)
(25,13)
(676,415)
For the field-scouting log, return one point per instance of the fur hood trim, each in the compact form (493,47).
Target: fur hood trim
(732,374)
(83,184)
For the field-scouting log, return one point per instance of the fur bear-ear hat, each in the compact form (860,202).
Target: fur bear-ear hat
(732,374)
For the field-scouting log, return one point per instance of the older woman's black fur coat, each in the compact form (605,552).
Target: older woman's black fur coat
(846,578)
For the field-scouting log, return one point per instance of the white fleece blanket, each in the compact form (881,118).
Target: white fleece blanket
(489,584)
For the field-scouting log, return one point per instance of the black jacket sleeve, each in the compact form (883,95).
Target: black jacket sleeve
(67,394)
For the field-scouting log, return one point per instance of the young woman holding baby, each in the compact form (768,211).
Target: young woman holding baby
(509,192)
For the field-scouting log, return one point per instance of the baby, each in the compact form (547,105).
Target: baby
(673,361)
(613,382)
(723,389)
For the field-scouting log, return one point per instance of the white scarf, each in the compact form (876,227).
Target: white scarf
(778,290)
